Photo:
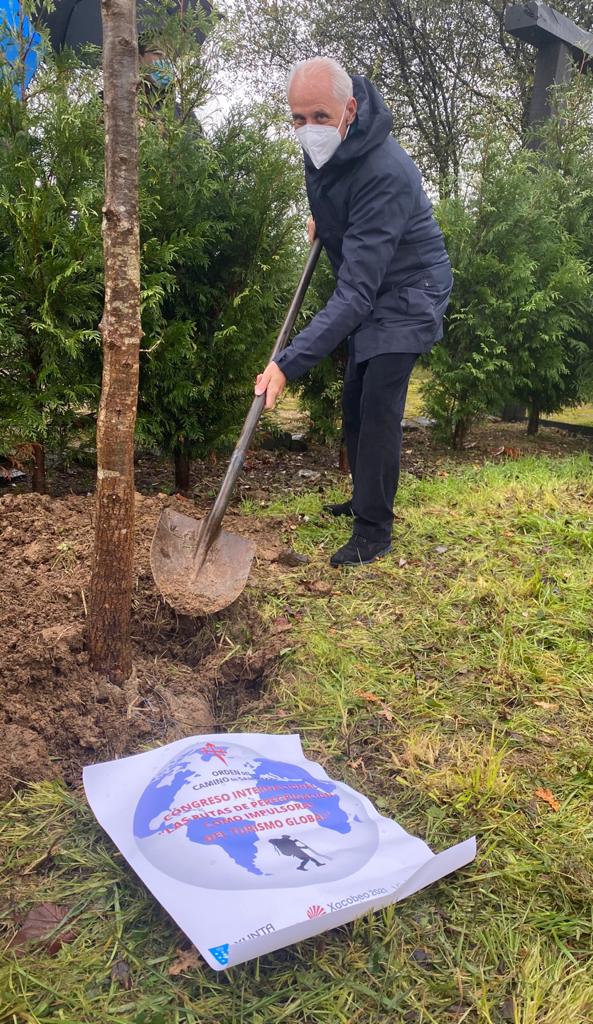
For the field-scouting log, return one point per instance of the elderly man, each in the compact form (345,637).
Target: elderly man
(393,283)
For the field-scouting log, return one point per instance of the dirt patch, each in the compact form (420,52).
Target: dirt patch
(58,715)
(268,473)
(492,441)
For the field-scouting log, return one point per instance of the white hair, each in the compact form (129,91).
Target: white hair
(340,80)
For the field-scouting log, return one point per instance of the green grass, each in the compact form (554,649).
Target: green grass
(291,417)
(482,654)
(414,403)
(580,414)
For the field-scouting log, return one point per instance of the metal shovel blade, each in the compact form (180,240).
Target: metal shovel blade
(191,585)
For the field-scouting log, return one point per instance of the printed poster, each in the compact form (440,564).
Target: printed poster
(251,847)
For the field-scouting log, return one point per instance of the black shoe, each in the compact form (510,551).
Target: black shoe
(359,551)
(343,509)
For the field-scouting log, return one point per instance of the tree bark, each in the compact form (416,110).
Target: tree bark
(182,470)
(343,463)
(112,572)
(38,479)
(533,421)
(460,433)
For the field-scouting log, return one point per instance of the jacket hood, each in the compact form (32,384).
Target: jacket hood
(370,128)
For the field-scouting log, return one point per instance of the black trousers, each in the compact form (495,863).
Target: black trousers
(373,407)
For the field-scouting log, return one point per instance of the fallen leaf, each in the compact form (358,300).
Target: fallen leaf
(281,625)
(359,763)
(548,797)
(402,562)
(40,924)
(120,975)
(365,695)
(545,705)
(441,548)
(185,960)
(319,587)
(548,739)
(386,714)
(507,1010)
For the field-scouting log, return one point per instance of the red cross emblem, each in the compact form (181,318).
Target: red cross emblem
(213,751)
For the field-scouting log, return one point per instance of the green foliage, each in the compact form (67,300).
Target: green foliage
(320,390)
(520,318)
(218,216)
(50,270)
(181,78)
(219,224)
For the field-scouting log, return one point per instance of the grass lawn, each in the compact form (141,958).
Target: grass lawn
(291,416)
(414,405)
(580,414)
(476,639)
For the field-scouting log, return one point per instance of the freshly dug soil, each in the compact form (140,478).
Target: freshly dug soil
(56,714)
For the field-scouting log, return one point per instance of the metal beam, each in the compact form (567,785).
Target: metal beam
(540,25)
(559,44)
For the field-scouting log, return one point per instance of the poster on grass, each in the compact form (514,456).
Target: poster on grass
(251,847)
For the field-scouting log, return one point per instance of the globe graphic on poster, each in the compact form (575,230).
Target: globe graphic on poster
(221,816)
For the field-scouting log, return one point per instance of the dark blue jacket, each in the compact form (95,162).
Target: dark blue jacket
(387,251)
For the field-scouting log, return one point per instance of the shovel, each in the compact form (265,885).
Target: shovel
(198,567)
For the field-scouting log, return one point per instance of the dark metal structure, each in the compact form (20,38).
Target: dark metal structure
(76,23)
(559,43)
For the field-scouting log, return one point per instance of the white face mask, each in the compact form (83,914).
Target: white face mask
(320,141)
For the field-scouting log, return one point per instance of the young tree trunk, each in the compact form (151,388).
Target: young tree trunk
(111,582)
(343,463)
(460,434)
(182,470)
(533,421)
(38,479)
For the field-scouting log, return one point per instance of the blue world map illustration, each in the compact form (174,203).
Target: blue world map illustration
(223,816)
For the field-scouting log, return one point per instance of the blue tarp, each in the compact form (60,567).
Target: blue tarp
(9,31)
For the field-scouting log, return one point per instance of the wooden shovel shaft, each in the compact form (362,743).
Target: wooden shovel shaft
(212,524)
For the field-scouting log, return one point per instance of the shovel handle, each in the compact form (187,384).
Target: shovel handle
(219,508)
